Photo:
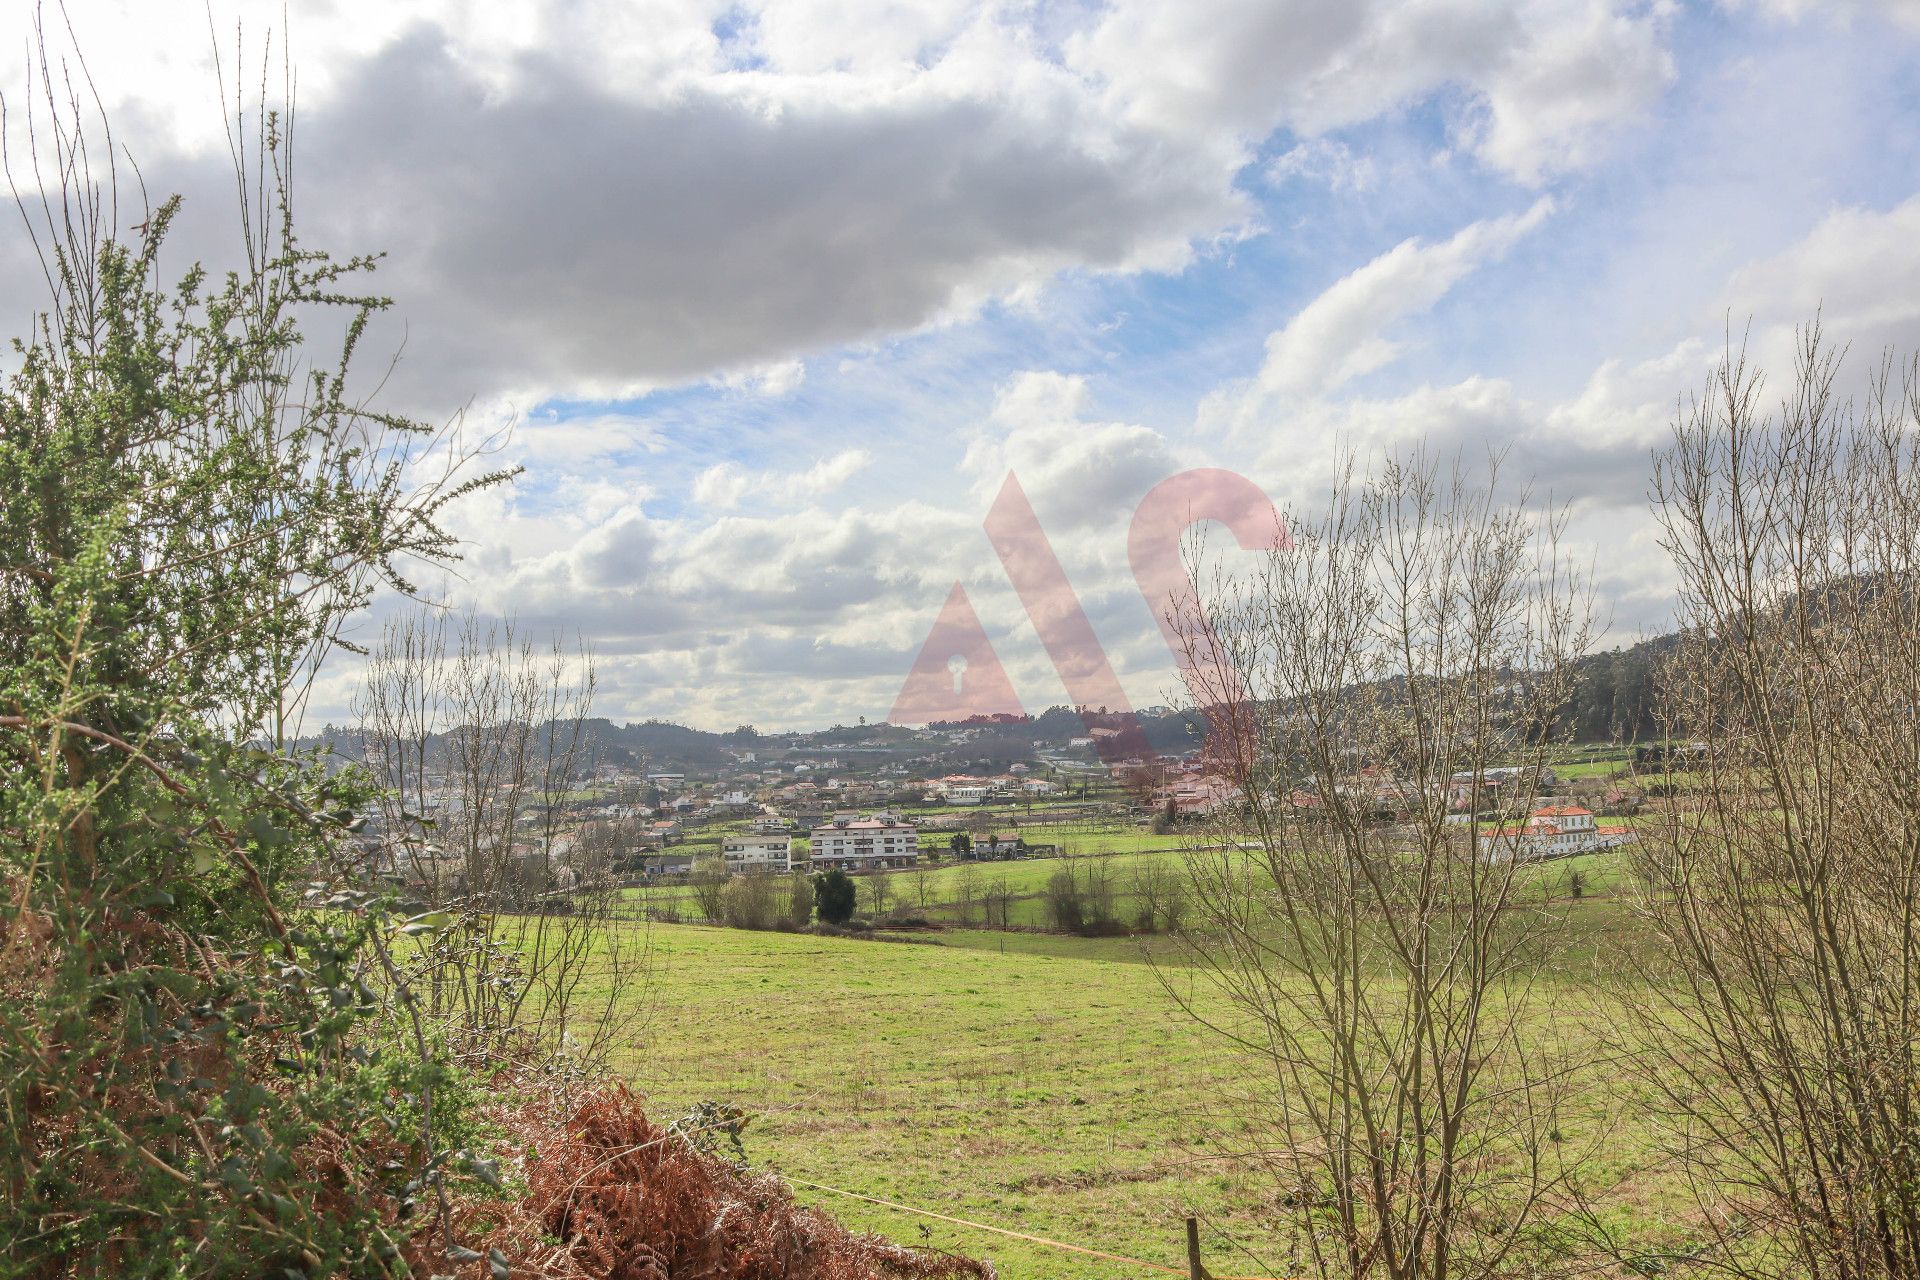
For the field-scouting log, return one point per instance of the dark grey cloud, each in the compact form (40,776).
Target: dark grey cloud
(561,236)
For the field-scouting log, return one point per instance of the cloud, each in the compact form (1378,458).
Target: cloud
(1904,12)
(782,377)
(877,255)
(1858,268)
(617,553)
(1344,333)
(1327,161)
(588,200)
(1548,80)
(727,484)
(1078,473)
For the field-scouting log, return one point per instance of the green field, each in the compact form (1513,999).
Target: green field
(941,893)
(1038,1082)
(944,897)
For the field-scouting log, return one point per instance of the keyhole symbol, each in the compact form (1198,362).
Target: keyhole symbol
(957,665)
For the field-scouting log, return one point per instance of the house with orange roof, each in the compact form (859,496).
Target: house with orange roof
(1553,831)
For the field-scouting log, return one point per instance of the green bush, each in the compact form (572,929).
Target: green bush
(204,1033)
(833,897)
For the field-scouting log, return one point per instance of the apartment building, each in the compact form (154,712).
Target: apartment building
(866,844)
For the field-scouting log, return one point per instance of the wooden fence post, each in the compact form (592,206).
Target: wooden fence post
(1194,1270)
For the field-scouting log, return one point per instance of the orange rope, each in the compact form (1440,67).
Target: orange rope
(1002,1231)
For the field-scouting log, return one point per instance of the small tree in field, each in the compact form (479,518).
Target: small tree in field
(876,890)
(967,891)
(708,880)
(1371,957)
(799,899)
(833,896)
(749,902)
(1066,905)
(924,886)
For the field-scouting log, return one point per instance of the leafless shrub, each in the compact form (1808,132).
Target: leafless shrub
(708,881)
(480,742)
(750,902)
(1159,897)
(1366,951)
(1784,878)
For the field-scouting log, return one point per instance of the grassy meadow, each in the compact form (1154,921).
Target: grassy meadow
(1052,1084)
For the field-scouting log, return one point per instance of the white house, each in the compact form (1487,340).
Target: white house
(757,852)
(1553,831)
(960,788)
(866,845)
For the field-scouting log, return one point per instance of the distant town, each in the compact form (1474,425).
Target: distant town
(651,803)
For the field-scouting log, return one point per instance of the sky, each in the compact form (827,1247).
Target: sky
(773,296)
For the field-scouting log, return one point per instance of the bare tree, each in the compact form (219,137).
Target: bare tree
(480,741)
(966,887)
(708,881)
(1785,881)
(1066,901)
(924,885)
(1364,951)
(799,899)
(876,893)
(1159,897)
(750,902)
(997,902)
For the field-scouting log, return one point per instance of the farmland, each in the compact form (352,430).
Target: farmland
(954,894)
(1039,1082)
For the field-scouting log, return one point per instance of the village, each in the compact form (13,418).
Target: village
(894,800)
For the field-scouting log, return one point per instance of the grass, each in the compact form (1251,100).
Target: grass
(1039,1082)
(941,893)
(1057,1094)
(1023,879)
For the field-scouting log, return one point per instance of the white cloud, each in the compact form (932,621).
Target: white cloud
(727,484)
(1904,12)
(1077,473)
(1550,105)
(1327,161)
(588,198)
(592,199)
(1344,333)
(1859,268)
(1552,77)
(780,378)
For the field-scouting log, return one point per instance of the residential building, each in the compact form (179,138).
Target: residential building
(758,852)
(659,865)
(1553,831)
(867,844)
(1205,794)
(969,792)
